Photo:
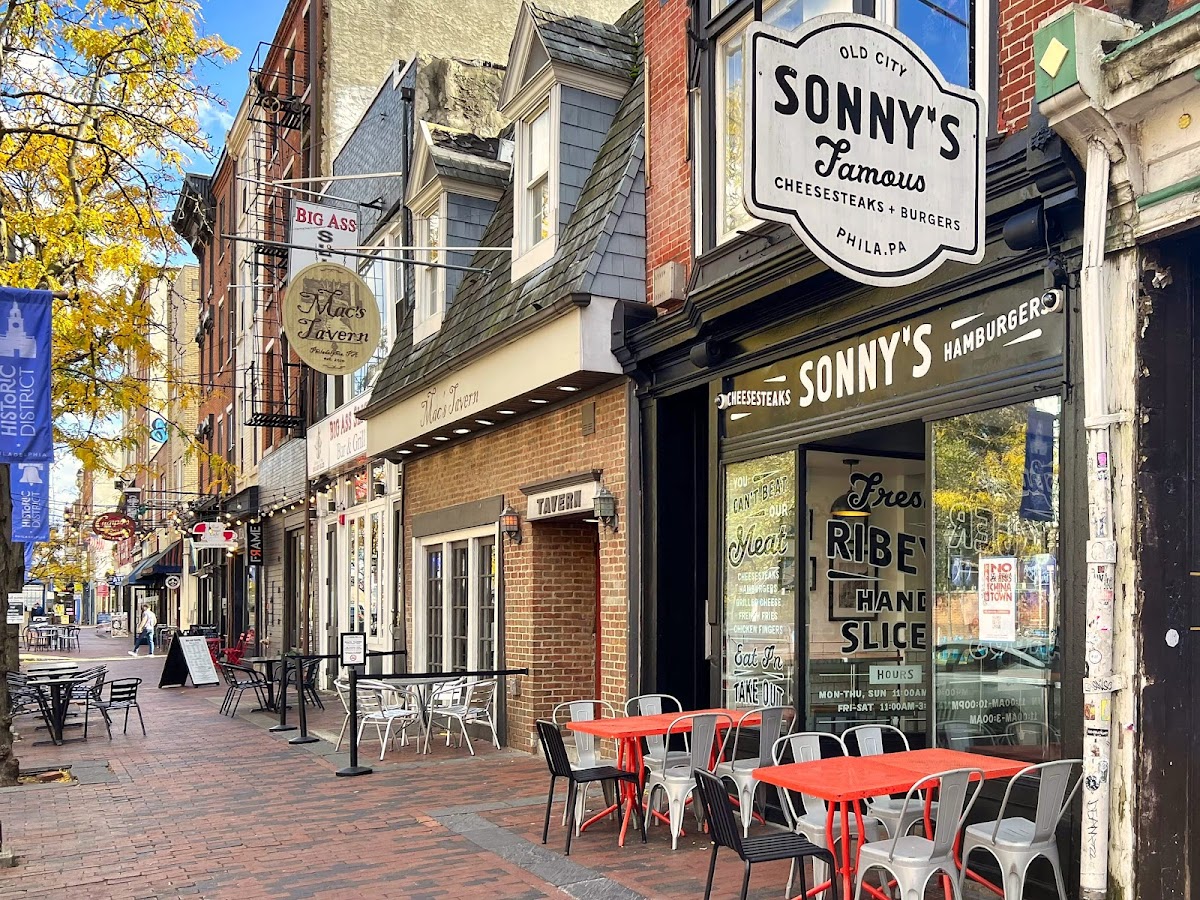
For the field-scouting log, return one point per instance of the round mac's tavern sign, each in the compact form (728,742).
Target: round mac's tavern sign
(855,139)
(331,318)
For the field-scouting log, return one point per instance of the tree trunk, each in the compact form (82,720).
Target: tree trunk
(12,578)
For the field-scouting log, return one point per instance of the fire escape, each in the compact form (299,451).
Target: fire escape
(278,149)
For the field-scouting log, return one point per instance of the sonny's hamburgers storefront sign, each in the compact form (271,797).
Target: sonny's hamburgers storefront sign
(858,142)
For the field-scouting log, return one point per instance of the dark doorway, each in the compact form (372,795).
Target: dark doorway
(678,583)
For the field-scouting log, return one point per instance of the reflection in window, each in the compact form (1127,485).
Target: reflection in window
(731,86)
(996,582)
(434,608)
(487,603)
(537,187)
(459,606)
(942,28)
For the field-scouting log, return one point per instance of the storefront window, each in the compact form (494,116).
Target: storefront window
(376,587)
(868,608)
(758,652)
(460,582)
(434,607)
(997,606)
(487,603)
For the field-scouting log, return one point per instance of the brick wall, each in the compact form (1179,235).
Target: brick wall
(549,578)
(1018,20)
(668,193)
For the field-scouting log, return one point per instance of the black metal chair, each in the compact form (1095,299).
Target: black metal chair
(309,682)
(560,767)
(726,831)
(122,694)
(238,680)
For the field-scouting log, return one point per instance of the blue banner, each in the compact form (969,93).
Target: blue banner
(30,484)
(25,427)
(1037,479)
(28,559)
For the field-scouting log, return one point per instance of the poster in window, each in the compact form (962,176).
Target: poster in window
(760,581)
(997,598)
(851,577)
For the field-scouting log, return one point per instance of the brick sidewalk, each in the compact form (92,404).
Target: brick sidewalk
(212,807)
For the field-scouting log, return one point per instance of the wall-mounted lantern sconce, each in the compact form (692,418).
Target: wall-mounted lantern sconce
(510,524)
(604,507)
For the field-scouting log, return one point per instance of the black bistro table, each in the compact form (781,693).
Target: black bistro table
(53,684)
(269,663)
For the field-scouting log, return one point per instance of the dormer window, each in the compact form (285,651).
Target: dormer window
(430,280)
(537,199)
(537,188)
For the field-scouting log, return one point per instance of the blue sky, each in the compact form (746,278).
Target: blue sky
(242,24)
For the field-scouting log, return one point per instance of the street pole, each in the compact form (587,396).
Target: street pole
(354,768)
(1099,682)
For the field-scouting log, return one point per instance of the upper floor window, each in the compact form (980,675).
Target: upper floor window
(536,212)
(430,280)
(947,30)
(373,273)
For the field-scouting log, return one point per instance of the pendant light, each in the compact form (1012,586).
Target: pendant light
(841,508)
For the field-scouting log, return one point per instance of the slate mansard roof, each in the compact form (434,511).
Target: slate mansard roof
(467,157)
(489,305)
(576,41)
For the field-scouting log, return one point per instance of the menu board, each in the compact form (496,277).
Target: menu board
(759,637)
(188,656)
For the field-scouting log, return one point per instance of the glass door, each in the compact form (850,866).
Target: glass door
(868,605)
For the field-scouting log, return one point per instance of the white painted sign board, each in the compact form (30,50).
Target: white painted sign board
(856,140)
(354,648)
(199,660)
(321,228)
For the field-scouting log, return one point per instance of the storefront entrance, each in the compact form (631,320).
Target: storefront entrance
(926,595)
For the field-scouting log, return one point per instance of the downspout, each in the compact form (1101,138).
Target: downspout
(1099,681)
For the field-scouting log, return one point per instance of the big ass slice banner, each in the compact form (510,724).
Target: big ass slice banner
(26,433)
(855,139)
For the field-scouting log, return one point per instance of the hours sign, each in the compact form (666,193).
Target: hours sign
(856,140)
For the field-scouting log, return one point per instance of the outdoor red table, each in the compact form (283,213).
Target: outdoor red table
(843,781)
(628,732)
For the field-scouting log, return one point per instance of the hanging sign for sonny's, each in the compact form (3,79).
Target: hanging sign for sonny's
(855,139)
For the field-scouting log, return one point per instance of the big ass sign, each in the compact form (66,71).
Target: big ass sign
(856,140)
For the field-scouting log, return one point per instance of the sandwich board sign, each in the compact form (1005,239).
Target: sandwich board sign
(188,657)
(857,141)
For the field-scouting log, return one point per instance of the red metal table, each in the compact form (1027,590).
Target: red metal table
(628,732)
(844,781)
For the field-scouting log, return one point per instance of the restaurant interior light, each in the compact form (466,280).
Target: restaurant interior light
(841,508)
(510,524)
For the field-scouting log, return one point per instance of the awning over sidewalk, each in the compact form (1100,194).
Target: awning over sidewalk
(165,562)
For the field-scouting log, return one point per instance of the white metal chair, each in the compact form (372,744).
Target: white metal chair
(343,691)
(888,810)
(656,745)
(678,781)
(1016,842)
(475,707)
(443,695)
(587,753)
(912,860)
(810,817)
(1030,733)
(391,710)
(741,771)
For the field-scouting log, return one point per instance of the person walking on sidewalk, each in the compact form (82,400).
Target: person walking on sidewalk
(145,631)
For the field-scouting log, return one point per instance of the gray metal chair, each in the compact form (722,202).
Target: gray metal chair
(678,781)
(740,771)
(912,860)
(656,745)
(1016,842)
(869,739)
(809,817)
(587,753)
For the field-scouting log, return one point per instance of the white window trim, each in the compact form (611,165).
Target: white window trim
(885,11)
(420,595)
(526,256)
(425,326)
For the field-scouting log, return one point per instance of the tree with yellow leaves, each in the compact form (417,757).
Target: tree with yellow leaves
(99,109)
